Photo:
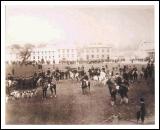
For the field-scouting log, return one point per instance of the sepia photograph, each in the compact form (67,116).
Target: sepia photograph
(80,64)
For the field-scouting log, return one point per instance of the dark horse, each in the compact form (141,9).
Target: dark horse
(44,83)
(52,86)
(84,85)
(121,89)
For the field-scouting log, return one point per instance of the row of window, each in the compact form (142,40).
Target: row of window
(60,50)
(95,56)
(42,52)
(95,50)
(66,50)
(72,50)
(60,56)
(66,56)
(43,57)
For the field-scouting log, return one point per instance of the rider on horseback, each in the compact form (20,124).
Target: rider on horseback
(85,79)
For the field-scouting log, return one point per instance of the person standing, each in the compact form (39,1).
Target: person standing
(142,111)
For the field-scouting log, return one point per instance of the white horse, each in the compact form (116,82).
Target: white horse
(39,81)
(77,76)
(96,78)
(71,74)
(102,76)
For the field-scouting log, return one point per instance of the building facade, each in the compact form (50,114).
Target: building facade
(146,49)
(58,54)
(95,52)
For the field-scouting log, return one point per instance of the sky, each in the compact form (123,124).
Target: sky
(122,27)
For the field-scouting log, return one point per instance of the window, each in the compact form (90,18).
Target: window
(87,57)
(42,52)
(33,57)
(68,50)
(102,50)
(38,57)
(93,51)
(72,55)
(102,56)
(53,57)
(97,56)
(92,56)
(97,50)
(107,57)
(108,50)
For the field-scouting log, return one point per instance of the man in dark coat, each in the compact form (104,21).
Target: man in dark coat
(142,111)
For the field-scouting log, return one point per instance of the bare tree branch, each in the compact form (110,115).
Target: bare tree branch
(23,51)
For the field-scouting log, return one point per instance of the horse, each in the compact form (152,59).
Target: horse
(84,85)
(71,74)
(39,82)
(115,89)
(77,76)
(45,85)
(44,89)
(123,90)
(141,74)
(52,86)
(102,76)
(135,75)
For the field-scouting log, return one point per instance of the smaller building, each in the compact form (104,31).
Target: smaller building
(95,52)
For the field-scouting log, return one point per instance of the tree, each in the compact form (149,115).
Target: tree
(24,51)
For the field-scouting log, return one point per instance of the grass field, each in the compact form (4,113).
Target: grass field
(71,107)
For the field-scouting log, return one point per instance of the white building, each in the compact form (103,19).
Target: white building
(62,53)
(146,49)
(95,52)
(46,54)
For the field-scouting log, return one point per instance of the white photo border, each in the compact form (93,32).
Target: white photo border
(156,6)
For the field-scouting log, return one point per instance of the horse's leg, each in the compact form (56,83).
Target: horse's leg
(89,86)
(126,97)
(55,90)
(112,100)
(43,94)
(51,91)
(115,97)
(122,98)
